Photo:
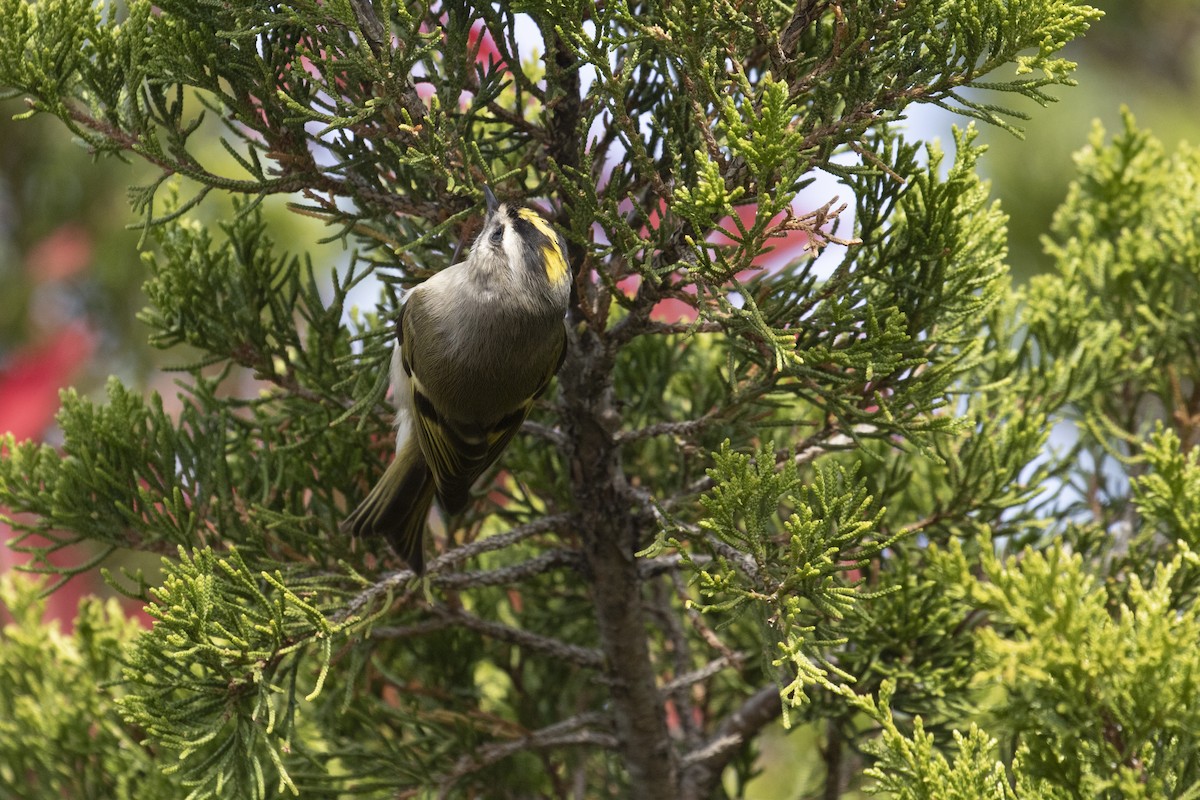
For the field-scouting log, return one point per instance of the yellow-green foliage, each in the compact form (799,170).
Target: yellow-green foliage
(1099,682)
(60,734)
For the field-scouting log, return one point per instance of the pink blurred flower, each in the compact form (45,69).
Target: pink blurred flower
(65,252)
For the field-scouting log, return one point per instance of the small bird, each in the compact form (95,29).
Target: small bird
(476,344)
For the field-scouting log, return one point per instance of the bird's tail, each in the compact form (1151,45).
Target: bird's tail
(398,506)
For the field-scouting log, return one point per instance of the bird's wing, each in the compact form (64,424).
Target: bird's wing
(451,451)
(471,453)
(499,434)
(458,454)
(558,361)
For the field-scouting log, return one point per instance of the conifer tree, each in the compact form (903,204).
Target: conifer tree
(819,497)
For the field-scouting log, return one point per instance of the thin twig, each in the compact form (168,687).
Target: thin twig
(682,428)
(446,617)
(653,567)
(701,674)
(681,658)
(702,767)
(703,629)
(422,628)
(571,732)
(552,435)
(383,586)
(499,541)
(510,574)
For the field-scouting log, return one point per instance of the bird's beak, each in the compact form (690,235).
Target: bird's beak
(492,202)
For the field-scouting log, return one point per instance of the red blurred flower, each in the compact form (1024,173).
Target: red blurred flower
(29,386)
(29,383)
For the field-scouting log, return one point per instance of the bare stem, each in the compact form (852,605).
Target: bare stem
(569,732)
(702,767)
(446,617)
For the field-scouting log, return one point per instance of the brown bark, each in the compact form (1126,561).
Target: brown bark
(608,526)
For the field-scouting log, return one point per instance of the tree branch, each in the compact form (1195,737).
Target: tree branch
(510,574)
(503,575)
(702,674)
(552,435)
(447,617)
(569,732)
(499,541)
(681,657)
(703,766)
(682,428)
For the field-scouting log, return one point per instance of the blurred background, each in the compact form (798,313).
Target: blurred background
(72,275)
(1144,55)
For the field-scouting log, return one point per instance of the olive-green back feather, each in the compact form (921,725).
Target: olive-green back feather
(459,452)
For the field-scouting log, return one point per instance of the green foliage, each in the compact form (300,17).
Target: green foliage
(816,493)
(225,677)
(1127,271)
(792,575)
(913,767)
(1168,495)
(1099,690)
(60,733)
(118,476)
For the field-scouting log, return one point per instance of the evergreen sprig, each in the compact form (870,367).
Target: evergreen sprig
(222,680)
(817,493)
(914,768)
(61,731)
(1114,671)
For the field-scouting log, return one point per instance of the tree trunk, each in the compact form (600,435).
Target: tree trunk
(608,526)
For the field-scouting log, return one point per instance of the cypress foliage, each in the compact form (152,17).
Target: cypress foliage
(823,497)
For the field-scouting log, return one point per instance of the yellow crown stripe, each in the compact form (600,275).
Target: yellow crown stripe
(556,264)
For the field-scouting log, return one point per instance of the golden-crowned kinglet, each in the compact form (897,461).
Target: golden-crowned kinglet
(476,344)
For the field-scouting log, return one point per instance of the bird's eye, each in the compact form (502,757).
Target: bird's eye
(497,234)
